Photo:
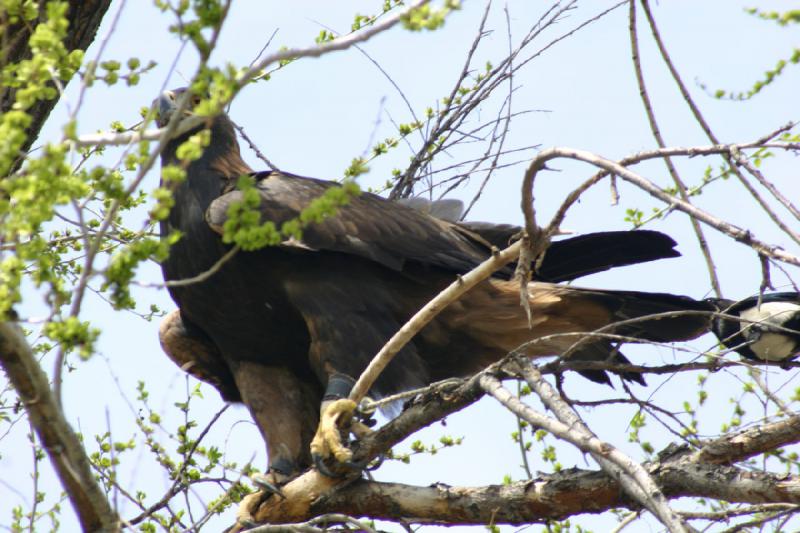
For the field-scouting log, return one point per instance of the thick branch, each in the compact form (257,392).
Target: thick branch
(632,478)
(439,401)
(681,471)
(750,442)
(84,18)
(61,444)
(550,497)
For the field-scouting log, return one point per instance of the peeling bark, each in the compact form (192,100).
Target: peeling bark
(678,472)
(750,442)
(548,497)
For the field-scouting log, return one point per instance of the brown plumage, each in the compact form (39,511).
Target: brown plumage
(277,327)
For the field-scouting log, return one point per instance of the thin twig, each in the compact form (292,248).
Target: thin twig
(631,475)
(63,447)
(199,278)
(673,172)
(611,167)
(111,213)
(729,157)
(254,148)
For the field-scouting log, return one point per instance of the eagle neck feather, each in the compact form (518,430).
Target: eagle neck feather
(222,156)
(226,159)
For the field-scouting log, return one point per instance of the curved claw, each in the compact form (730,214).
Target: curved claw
(356,466)
(267,485)
(319,464)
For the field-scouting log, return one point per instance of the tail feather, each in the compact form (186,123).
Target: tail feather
(675,317)
(561,315)
(587,254)
(574,257)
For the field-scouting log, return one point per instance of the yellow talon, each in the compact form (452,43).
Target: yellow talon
(328,440)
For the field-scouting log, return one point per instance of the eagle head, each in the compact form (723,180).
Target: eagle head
(169,102)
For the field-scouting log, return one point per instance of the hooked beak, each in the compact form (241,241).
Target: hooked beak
(165,106)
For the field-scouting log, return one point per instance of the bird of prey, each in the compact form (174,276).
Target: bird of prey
(762,328)
(286,329)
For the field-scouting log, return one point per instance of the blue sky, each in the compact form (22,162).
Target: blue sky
(315,115)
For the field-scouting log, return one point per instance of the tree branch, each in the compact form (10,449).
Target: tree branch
(632,478)
(421,318)
(611,167)
(750,442)
(673,172)
(550,496)
(680,471)
(84,17)
(61,444)
(437,402)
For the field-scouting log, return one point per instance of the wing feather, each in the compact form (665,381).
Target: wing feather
(369,226)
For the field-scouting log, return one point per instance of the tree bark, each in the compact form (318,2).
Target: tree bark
(84,18)
(679,471)
(61,444)
(549,497)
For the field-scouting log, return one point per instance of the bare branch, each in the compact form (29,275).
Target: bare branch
(673,172)
(61,444)
(550,496)
(201,277)
(680,472)
(750,442)
(546,497)
(611,167)
(730,157)
(632,477)
(421,318)
(337,44)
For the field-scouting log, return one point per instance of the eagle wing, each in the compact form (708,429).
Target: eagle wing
(368,226)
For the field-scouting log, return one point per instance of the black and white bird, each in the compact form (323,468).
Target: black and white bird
(765,327)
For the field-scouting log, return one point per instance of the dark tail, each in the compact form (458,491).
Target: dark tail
(656,317)
(572,258)
(579,256)
(571,322)
(609,353)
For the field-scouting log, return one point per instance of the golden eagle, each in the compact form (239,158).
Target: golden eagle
(284,328)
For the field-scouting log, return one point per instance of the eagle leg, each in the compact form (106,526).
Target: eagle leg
(284,410)
(337,419)
(278,473)
(194,352)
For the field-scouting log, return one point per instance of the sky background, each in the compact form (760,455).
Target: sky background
(314,116)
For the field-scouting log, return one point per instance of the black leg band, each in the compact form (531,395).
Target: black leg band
(339,386)
(282,466)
